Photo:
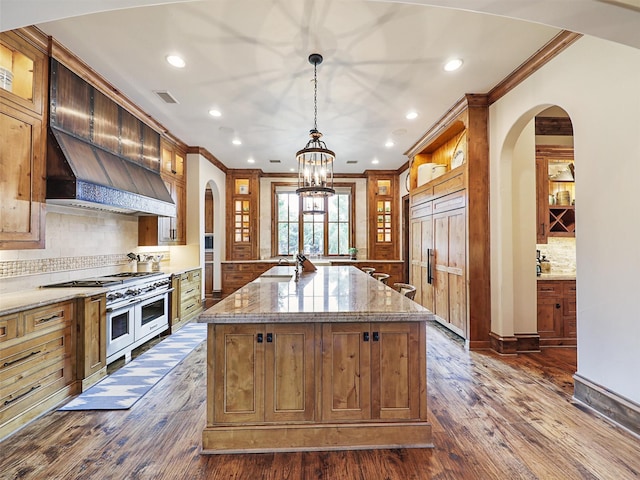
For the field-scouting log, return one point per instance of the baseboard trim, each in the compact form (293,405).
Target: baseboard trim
(613,407)
(514,344)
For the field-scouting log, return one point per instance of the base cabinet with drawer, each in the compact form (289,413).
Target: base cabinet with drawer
(557,312)
(37,362)
(186,298)
(237,274)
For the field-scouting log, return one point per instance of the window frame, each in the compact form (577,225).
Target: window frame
(276,186)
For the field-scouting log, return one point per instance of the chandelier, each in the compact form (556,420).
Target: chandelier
(315,160)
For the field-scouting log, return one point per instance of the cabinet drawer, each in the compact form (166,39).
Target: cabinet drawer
(48,317)
(24,355)
(422,210)
(9,327)
(450,202)
(449,186)
(549,289)
(421,196)
(569,289)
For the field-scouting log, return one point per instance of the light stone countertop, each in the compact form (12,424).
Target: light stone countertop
(331,294)
(40,297)
(556,276)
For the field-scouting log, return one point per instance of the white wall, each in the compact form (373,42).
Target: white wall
(200,174)
(596,83)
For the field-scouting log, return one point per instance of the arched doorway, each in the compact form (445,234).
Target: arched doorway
(539,145)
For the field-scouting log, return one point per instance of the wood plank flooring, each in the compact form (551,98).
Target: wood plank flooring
(493,418)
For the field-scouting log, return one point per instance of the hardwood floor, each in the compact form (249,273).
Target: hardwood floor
(493,418)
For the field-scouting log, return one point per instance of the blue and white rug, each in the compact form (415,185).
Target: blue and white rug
(124,387)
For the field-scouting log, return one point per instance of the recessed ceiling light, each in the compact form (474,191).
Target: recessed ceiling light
(375,161)
(176,61)
(453,64)
(236,141)
(412,115)
(292,169)
(251,160)
(215,113)
(389,144)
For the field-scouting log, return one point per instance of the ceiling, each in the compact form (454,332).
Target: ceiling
(248,59)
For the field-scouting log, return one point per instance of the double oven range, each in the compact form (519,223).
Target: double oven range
(137,308)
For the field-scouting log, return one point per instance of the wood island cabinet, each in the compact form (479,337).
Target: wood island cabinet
(370,371)
(269,372)
(23,140)
(311,376)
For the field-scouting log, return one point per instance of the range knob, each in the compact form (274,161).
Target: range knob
(131,293)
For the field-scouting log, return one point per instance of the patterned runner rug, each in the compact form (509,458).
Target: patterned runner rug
(124,387)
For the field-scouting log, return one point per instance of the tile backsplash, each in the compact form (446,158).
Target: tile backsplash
(78,244)
(561,252)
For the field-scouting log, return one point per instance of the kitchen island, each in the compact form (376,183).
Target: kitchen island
(335,360)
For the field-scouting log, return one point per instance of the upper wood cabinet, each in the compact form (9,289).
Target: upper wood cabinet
(449,222)
(555,191)
(154,230)
(383,207)
(23,74)
(243,193)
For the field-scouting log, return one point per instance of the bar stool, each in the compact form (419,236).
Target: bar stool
(381,277)
(406,289)
(368,270)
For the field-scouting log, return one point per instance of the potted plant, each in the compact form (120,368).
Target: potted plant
(353,252)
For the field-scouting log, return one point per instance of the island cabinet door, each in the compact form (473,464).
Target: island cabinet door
(395,371)
(238,373)
(289,372)
(346,371)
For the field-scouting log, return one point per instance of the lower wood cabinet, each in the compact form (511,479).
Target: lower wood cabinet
(186,298)
(269,372)
(557,312)
(370,371)
(37,362)
(301,386)
(237,274)
(92,342)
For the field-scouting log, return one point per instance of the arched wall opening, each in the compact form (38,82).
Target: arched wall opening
(515,224)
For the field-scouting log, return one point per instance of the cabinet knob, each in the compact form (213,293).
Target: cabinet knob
(376,336)
(365,336)
(259,338)
(269,337)
(557,305)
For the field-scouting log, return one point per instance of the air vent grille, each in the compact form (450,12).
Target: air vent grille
(274,161)
(351,162)
(165,96)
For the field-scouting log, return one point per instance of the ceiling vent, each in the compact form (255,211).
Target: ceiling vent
(165,96)
(274,161)
(351,162)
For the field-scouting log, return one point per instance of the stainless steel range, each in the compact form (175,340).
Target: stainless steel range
(137,308)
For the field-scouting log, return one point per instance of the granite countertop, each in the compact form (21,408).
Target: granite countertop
(40,297)
(316,261)
(331,294)
(556,276)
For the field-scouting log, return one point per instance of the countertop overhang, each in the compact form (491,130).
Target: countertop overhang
(331,294)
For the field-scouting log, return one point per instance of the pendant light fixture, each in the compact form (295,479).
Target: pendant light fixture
(315,160)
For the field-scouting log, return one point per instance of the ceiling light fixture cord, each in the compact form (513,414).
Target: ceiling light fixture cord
(315,95)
